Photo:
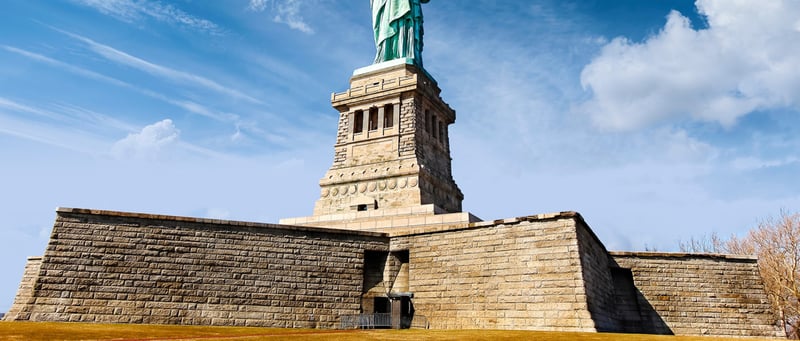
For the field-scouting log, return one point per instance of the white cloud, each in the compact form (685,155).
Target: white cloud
(132,11)
(149,143)
(286,12)
(744,61)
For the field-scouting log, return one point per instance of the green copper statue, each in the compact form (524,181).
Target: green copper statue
(398,29)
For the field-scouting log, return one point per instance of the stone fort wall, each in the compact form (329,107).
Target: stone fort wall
(542,272)
(523,273)
(25,292)
(551,272)
(134,268)
(699,294)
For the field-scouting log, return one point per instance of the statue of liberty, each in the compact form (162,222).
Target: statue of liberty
(398,29)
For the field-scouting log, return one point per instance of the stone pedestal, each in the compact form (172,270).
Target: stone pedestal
(392,149)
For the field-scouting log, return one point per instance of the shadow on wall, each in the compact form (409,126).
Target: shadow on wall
(633,312)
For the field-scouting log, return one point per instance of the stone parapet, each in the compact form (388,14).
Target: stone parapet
(117,267)
(700,294)
(537,272)
(685,256)
(518,273)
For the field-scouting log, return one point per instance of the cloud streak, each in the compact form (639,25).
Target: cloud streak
(173,75)
(133,11)
(744,62)
(55,134)
(271,135)
(70,115)
(187,105)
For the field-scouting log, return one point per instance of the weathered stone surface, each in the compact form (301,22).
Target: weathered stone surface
(520,275)
(25,292)
(597,279)
(700,294)
(541,272)
(392,145)
(133,268)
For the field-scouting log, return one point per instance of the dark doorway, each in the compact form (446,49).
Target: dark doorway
(382,305)
(406,312)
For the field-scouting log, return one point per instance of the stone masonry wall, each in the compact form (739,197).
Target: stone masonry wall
(597,281)
(696,294)
(25,292)
(132,268)
(508,274)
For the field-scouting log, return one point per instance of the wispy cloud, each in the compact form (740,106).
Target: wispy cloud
(22,108)
(118,56)
(743,62)
(65,66)
(56,129)
(273,136)
(187,105)
(286,12)
(66,115)
(92,117)
(136,10)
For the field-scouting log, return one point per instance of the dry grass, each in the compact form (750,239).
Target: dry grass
(34,331)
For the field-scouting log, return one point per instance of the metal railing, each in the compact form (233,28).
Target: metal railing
(366,321)
(380,320)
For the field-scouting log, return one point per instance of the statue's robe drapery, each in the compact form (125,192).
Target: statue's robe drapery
(398,29)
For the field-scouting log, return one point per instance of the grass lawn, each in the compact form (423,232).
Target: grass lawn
(33,331)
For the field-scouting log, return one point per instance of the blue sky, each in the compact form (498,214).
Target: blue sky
(657,120)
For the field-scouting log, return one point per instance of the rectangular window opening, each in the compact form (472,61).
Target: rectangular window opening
(373,118)
(388,116)
(358,121)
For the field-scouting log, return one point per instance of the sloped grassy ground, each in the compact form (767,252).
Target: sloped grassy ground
(34,331)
